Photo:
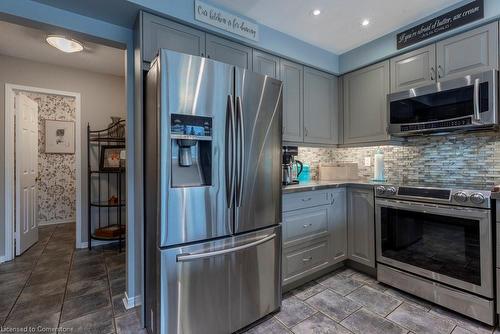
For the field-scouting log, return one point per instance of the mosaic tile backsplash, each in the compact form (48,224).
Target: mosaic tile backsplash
(472,157)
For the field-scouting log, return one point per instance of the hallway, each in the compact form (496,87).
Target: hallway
(53,286)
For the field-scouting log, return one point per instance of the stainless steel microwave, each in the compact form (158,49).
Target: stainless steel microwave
(465,103)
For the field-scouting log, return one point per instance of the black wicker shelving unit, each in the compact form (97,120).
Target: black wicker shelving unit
(98,139)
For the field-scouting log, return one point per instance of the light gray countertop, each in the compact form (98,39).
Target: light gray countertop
(319,185)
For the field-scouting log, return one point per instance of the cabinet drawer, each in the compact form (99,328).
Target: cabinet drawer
(304,260)
(306,199)
(305,223)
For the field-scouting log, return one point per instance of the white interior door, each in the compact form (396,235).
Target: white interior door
(26,173)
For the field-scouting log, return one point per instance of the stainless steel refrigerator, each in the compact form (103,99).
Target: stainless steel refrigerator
(212,193)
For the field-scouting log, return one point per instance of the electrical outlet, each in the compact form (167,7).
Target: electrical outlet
(368,161)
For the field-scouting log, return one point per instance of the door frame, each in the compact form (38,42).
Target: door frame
(10,90)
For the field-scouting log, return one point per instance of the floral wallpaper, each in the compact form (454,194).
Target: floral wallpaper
(57,185)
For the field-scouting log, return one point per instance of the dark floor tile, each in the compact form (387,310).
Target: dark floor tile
(12,283)
(115,261)
(269,326)
(293,311)
(87,286)
(420,321)
(117,272)
(82,272)
(100,322)
(308,290)
(374,300)
(319,324)
(118,306)
(35,308)
(38,291)
(118,286)
(83,305)
(16,266)
(333,304)
(363,322)
(50,275)
(341,284)
(43,322)
(6,304)
(129,324)
(54,260)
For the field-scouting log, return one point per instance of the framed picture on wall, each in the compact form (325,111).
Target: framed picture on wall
(111,158)
(59,136)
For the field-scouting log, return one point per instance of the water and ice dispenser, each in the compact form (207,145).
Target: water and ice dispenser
(191,143)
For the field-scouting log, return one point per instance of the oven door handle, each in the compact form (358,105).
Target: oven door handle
(416,206)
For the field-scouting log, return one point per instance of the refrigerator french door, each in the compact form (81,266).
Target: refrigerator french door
(212,195)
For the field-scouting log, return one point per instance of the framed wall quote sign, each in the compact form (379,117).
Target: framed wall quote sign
(455,18)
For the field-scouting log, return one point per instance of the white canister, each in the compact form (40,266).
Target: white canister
(378,174)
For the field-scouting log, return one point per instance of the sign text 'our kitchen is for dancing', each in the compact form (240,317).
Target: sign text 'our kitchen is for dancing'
(453,19)
(221,19)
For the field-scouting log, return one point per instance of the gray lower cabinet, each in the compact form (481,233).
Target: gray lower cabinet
(266,64)
(365,104)
(292,76)
(314,232)
(159,33)
(473,51)
(413,69)
(321,109)
(361,225)
(228,52)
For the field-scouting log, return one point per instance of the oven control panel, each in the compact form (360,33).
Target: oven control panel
(450,196)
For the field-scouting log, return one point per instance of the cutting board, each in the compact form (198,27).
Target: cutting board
(345,171)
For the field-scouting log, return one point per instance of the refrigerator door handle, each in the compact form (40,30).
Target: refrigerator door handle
(230,149)
(241,154)
(186,257)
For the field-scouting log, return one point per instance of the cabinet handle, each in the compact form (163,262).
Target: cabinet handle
(307,225)
(433,73)
(306,132)
(307,259)
(306,199)
(440,70)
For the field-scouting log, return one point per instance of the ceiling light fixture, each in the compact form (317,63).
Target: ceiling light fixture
(316,12)
(365,22)
(64,44)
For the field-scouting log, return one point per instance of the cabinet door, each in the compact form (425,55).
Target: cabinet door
(361,226)
(473,51)
(265,64)
(159,33)
(338,225)
(413,69)
(365,104)
(292,76)
(320,107)
(228,52)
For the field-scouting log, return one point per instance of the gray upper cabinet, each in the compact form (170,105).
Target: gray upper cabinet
(413,69)
(228,52)
(160,33)
(266,64)
(361,225)
(321,111)
(365,104)
(292,75)
(473,51)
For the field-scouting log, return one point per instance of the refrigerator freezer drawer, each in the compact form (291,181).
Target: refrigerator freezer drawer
(221,286)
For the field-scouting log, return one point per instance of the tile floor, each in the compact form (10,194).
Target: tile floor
(346,302)
(52,285)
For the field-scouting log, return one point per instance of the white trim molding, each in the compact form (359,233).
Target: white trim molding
(9,219)
(131,302)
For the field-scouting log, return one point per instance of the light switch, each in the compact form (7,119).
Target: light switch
(368,161)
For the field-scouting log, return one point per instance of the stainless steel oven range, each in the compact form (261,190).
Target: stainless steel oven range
(437,243)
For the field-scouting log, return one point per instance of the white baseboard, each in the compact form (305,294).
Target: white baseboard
(55,222)
(3,259)
(129,302)
(85,244)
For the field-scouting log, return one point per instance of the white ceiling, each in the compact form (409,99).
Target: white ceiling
(338,29)
(28,43)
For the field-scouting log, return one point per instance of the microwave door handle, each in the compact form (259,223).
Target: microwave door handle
(198,256)
(477,114)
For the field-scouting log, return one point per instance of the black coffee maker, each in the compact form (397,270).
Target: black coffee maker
(291,167)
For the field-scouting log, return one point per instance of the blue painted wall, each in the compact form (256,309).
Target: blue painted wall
(385,47)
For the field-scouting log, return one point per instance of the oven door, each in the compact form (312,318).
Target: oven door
(451,245)
(448,105)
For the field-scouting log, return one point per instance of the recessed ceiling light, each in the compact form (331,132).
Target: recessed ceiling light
(365,22)
(64,44)
(316,12)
